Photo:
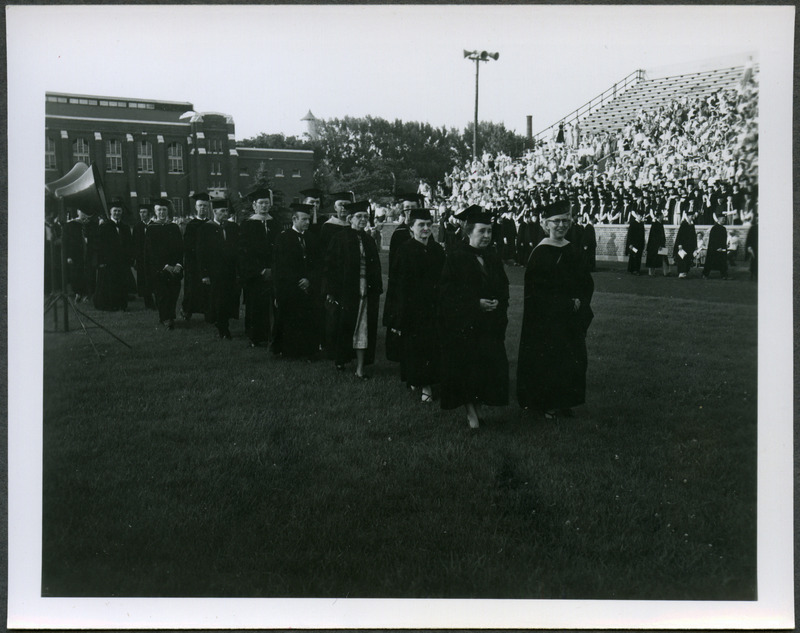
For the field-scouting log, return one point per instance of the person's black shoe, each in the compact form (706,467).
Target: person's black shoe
(171,324)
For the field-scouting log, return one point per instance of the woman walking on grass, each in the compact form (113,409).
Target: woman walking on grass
(551,371)
(418,268)
(352,289)
(473,304)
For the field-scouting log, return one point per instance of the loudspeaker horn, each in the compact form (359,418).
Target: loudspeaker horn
(71,176)
(85,192)
(468,53)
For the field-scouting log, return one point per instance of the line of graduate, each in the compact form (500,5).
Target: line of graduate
(316,286)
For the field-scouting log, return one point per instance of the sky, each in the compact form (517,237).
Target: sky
(269,65)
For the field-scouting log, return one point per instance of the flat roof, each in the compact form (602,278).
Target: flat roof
(182,104)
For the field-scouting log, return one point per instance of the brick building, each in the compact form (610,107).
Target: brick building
(147,149)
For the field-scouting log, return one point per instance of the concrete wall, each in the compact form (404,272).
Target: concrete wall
(610,239)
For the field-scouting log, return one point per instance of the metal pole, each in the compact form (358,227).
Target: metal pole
(475,129)
(62,217)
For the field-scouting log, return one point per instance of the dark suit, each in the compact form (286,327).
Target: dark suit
(114,259)
(217,255)
(142,285)
(255,257)
(297,331)
(163,246)
(195,293)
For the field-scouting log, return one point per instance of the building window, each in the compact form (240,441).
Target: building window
(216,146)
(216,168)
(175,158)
(80,151)
(279,172)
(113,156)
(244,171)
(49,153)
(144,156)
(296,173)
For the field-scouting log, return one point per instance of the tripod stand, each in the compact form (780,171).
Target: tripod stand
(68,301)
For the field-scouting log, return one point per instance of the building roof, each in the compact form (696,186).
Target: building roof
(309,117)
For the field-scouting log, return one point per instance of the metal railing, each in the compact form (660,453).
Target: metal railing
(594,104)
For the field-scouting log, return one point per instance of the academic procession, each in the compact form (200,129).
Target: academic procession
(534,377)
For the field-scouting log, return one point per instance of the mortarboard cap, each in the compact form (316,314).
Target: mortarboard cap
(300,206)
(410,197)
(475,213)
(259,194)
(358,207)
(220,204)
(420,214)
(202,195)
(161,202)
(559,207)
(116,202)
(312,193)
(347,196)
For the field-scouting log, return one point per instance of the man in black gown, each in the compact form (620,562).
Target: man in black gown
(142,283)
(683,251)
(217,254)
(717,248)
(256,241)
(634,242)
(163,256)
(114,259)
(195,292)
(401,234)
(297,332)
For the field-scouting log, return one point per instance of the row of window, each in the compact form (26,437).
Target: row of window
(144,158)
(144,155)
(103,102)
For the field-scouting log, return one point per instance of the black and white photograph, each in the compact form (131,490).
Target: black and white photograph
(400,316)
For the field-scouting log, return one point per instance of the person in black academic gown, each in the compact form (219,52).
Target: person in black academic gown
(163,256)
(195,292)
(418,268)
(142,284)
(717,248)
(657,241)
(256,243)
(589,243)
(297,332)
(352,285)
(401,234)
(552,361)
(634,242)
(751,249)
(114,260)
(473,305)
(217,255)
(683,251)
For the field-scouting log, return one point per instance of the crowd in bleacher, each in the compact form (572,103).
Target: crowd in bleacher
(695,153)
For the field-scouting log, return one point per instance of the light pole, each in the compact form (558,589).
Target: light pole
(478,57)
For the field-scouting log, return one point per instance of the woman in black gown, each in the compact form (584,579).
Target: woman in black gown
(473,302)
(418,268)
(551,371)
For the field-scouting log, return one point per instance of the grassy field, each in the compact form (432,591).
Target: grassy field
(189,466)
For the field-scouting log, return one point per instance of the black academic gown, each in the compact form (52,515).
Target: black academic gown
(717,259)
(751,243)
(589,246)
(163,246)
(217,260)
(341,280)
(552,361)
(297,332)
(195,292)
(418,269)
(394,347)
(114,259)
(474,361)
(256,257)
(634,245)
(686,239)
(655,240)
